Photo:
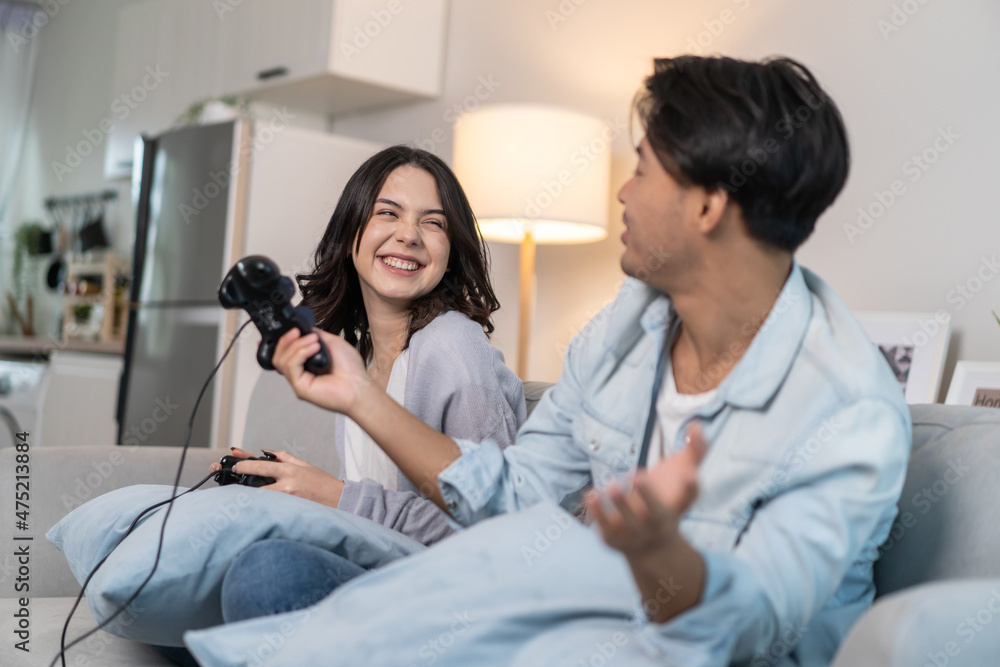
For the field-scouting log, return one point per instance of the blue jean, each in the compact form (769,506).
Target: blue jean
(277,576)
(273,577)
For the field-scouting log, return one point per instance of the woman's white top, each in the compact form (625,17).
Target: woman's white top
(363,459)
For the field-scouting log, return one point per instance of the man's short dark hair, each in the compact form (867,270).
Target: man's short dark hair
(766,132)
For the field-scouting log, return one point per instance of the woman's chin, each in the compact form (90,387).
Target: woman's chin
(400,297)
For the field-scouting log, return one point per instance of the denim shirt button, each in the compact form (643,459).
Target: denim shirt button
(631,450)
(594,445)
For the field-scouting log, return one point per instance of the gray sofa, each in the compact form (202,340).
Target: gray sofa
(940,566)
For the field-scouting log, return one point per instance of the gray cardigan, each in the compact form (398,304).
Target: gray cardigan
(457,383)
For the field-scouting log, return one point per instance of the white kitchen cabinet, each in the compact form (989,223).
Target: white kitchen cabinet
(79,396)
(324,56)
(263,43)
(164,61)
(335,56)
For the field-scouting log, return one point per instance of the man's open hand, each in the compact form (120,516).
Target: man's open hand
(643,520)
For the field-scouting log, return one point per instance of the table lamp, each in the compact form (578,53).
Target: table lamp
(534,174)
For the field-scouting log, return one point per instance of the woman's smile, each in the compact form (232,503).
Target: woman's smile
(401,265)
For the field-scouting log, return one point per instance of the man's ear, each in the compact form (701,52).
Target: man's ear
(713,205)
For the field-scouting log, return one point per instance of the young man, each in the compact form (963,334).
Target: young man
(803,434)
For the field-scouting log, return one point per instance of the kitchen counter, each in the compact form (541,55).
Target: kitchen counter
(73,401)
(44,346)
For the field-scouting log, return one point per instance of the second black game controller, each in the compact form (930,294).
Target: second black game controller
(227,476)
(256,285)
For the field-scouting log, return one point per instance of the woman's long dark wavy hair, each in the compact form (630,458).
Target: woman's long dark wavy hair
(332,291)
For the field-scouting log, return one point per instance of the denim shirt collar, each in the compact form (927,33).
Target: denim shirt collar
(764,365)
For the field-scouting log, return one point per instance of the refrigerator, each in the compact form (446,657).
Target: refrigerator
(204,197)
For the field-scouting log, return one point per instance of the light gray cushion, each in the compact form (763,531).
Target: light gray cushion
(533,392)
(63,478)
(278,420)
(100,649)
(948,504)
(953,624)
(48,614)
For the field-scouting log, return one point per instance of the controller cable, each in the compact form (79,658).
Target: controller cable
(63,646)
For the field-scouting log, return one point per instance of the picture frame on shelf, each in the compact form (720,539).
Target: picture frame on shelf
(915,346)
(975,383)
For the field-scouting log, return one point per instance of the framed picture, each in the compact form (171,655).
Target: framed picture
(975,383)
(914,345)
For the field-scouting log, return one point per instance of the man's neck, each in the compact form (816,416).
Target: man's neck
(722,309)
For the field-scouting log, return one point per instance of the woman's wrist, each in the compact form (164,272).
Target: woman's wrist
(367,396)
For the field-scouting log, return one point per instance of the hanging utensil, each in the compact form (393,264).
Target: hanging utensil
(56,273)
(92,232)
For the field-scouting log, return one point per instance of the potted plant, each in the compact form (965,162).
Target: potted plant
(214,110)
(30,240)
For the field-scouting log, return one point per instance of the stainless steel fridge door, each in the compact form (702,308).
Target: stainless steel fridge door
(188,205)
(174,351)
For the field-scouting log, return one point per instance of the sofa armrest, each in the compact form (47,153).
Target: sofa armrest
(942,623)
(62,479)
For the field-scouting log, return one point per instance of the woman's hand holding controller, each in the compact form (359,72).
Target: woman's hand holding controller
(292,475)
(341,389)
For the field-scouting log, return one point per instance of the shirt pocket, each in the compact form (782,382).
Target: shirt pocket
(712,532)
(611,449)
(751,439)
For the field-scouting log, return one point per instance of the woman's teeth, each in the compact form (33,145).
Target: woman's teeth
(400,264)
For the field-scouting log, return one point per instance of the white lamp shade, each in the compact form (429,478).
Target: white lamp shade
(538,168)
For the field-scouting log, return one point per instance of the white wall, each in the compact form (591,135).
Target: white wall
(938,71)
(896,91)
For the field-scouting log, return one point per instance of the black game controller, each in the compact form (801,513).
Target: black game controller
(227,476)
(256,285)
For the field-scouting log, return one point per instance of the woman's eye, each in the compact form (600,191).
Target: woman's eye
(436,222)
(392,213)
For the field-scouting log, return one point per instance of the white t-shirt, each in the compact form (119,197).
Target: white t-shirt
(362,457)
(672,409)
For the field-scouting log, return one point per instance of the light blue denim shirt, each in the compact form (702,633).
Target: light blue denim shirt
(809,439)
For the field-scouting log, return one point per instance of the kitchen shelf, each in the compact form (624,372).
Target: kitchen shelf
(112,327)
(37,346)
(84,298)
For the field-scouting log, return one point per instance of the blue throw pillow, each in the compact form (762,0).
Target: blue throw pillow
(532,588)
(206,530)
